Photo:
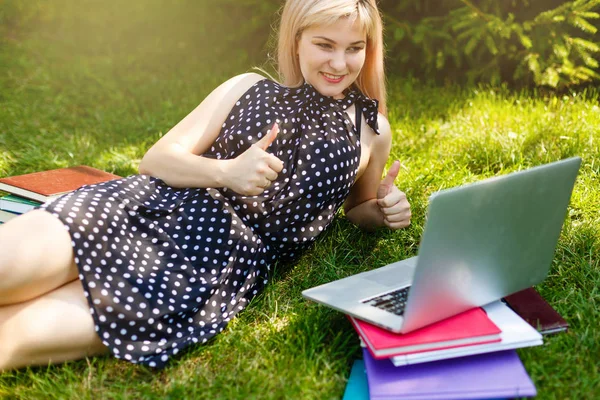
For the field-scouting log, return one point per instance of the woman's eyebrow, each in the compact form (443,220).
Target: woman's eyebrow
(333,41)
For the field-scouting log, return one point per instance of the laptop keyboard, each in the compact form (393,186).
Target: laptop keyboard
(393,302)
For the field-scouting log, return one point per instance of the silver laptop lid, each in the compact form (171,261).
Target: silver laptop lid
(488,239)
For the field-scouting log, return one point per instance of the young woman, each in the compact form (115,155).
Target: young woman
(147,265)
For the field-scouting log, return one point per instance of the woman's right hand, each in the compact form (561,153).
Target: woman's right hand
(254,170)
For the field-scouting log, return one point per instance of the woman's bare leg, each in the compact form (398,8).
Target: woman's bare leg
(35,257)
(52,328)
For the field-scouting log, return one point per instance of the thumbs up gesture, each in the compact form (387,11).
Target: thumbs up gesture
(393,203)
(254,170)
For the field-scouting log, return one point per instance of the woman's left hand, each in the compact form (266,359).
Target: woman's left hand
(392,202)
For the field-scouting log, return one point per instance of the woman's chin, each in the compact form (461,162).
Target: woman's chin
(332,90)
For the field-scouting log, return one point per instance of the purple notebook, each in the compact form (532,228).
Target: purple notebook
(483,376)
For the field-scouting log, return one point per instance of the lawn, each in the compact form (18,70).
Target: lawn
(92,83)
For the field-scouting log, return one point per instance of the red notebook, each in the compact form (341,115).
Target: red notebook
(45,185)
(468,328)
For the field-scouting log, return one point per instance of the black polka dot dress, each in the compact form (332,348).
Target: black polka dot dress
(163,268)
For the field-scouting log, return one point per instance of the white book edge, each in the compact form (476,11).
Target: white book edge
(516,333)
(6,216)
(15,207)
(28,194)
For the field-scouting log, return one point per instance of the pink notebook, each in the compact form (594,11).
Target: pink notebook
(468,328)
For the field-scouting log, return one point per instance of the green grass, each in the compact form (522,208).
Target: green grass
(96,84)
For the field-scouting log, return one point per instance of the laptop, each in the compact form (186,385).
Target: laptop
(481,242)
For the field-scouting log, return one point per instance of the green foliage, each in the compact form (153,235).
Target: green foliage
(547,43)
(98,81)
(250,25)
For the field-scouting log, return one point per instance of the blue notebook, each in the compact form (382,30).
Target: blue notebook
(357,388)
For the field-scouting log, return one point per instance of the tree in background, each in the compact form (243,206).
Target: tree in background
(546,42)
(551,43)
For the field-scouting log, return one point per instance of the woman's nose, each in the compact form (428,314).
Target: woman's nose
(338,61)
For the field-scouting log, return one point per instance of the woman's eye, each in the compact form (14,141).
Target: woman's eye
(355,49)
(324,45)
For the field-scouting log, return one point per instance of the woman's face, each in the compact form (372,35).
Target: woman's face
(331,56)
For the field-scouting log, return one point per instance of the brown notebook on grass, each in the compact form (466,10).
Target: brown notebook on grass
(46,185)
(534,309)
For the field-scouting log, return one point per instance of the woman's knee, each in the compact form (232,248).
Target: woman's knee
(7,254)
(33,245)
(52,328)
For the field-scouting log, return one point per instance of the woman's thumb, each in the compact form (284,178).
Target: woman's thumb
(388,181)
(266,141)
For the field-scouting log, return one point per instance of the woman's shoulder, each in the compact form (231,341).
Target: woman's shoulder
(384,138)
(236,87)
(384,125)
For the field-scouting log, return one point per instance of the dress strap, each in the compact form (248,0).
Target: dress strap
(365,105)
(369,107)
(357,119)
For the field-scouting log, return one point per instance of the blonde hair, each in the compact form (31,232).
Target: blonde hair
(298,15)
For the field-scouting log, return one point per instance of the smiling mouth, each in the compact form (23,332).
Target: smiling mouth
(332,78)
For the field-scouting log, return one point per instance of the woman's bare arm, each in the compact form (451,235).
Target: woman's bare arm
(375,202)
(177,157)
(361,205)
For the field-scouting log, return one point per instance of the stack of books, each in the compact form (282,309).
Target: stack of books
(469,356)
(12,205)
(22,193)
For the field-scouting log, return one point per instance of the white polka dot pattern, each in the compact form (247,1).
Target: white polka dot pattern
(163,268)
